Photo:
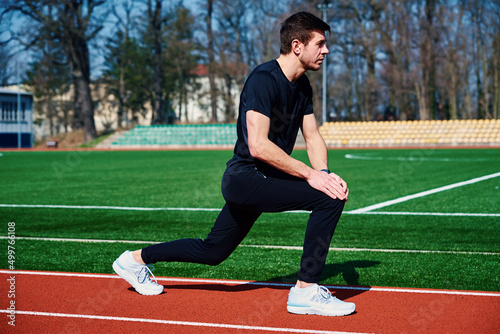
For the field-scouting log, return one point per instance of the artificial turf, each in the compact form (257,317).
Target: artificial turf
(191,179)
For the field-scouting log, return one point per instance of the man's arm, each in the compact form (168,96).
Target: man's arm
(265,150)
(315,145)
(318,152)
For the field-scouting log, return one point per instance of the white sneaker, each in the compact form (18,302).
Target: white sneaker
(317,299)
(138,277)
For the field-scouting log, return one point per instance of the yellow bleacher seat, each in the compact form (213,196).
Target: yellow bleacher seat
(429,132)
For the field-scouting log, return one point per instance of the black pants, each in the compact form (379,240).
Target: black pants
(248,194)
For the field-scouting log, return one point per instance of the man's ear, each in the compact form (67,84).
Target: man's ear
(296,46)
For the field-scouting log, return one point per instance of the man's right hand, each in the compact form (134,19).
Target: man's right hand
(330,184)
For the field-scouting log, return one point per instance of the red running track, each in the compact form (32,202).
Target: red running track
(47,302)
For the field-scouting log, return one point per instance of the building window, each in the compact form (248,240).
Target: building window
(10,112)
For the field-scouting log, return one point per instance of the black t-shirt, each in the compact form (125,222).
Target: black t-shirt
(268,91)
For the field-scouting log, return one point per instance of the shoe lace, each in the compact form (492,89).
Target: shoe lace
(144,274)
(323,294)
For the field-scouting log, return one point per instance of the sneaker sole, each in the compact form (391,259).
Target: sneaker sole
(312,310)
(131,280)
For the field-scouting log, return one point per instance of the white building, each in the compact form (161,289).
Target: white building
(196,109)
(198,105)
(16,118)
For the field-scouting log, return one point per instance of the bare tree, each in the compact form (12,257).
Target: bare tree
(496,59)
(343,85)
(5,61)
(454,58)
(230,17)
(179,57)
(211,60)
(358,40)
(496,71)
(265,17)
(72,24)
(49,78)
(6,53)
(124,25)
(395,42)
(155,24)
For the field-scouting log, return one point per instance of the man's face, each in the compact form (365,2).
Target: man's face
(314,52)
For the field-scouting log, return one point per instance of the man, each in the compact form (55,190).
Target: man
(262,176)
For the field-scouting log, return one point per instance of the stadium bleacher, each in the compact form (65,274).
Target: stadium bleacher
(179,135)
(336,134)
(400,133)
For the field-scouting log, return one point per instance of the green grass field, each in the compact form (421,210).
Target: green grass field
(466,248)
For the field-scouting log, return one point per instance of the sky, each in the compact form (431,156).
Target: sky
(22,58)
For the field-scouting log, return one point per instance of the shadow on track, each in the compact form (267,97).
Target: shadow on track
(348,270)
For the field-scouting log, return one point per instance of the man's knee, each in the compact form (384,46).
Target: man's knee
(330,204)
(215,253)
(214,259)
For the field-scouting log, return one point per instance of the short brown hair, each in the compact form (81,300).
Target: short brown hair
(299,26)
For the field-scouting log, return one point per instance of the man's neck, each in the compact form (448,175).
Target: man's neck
(291,66)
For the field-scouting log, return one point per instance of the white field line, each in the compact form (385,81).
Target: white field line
(442,214)
(173,322)
(96,207)
(418,159)
(425,193)
(84,240)
(337,249)
(132,208)
(375,250)
(264,284)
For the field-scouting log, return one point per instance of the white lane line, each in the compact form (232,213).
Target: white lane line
(265,284)
(424,193)
(173,322)
(337,249)
(131,208)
